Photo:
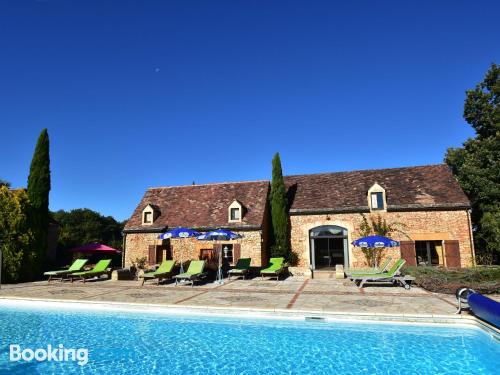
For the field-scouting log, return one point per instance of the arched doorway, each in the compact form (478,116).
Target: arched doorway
(329,247)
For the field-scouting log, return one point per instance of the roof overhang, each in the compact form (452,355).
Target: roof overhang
(432,207)
(144,229)
(149,229)
(337,210)
(390,208)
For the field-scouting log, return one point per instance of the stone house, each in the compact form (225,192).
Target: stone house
(427,202)
(238,206)
(325,215)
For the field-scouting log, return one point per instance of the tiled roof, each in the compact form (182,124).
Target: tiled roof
(424,187)
(206,206)
(202,206)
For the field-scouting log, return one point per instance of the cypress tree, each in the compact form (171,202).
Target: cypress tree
(38,193)
(279,212)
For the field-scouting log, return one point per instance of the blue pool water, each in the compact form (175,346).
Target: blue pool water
(133,343)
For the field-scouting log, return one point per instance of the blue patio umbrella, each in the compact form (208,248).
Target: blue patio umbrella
(219,235)
(375,242)
(179,232)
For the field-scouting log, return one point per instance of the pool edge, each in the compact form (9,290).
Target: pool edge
(274,313)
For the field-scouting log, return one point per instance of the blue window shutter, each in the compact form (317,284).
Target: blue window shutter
(380,200)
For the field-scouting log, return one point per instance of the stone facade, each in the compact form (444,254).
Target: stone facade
(420,225)
(137,245)
(426,200)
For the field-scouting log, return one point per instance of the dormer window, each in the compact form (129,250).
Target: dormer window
(235,211)
(377,201)
(235,214)
(376,198)
(149,214)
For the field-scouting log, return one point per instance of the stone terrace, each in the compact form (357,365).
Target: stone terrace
(293,294)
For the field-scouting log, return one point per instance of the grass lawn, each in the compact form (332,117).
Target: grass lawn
(483,279)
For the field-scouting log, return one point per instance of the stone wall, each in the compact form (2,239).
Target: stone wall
(420,225)
(137,245)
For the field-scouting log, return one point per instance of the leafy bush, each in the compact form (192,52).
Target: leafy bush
(484,279)
(16,239)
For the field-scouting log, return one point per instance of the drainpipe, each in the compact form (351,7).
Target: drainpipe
(471,239)
(123,247)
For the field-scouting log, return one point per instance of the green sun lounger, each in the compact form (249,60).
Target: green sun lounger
(241,269)
(377,270)
(392,276)
(195,272)
(163,272)
(61,274)
(275,268)
(101,268)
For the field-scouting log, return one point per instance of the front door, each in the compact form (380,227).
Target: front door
(328,247)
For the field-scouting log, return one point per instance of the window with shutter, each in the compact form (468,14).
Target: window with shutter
(377,198)
(236,252)
(407,249)
(152,255)
(452,253)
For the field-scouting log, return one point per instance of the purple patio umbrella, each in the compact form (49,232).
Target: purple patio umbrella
(95,248)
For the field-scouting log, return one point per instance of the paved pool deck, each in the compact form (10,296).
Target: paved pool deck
(292,294)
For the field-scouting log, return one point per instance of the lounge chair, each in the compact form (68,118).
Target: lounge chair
(383,268)
(392,276)
(61,274)
(241,269)
(275,268)
(163,272)
(101,268)
(195,272)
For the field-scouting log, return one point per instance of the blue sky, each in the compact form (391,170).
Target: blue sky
(138,94)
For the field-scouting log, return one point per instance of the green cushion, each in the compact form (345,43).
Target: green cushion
(243,264)
(76,266)
(195,267)
(395,268)
(166,267)
(276,264)
(370,270)
(99,268)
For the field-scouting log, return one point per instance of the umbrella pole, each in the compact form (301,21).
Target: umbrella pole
(219,279)
(182,252)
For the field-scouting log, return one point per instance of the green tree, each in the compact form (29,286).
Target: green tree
(38,193)
(476,165)
(83,226)
(16,239)
(4,183)
(280,239)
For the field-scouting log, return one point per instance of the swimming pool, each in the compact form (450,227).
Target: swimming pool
(133,343)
